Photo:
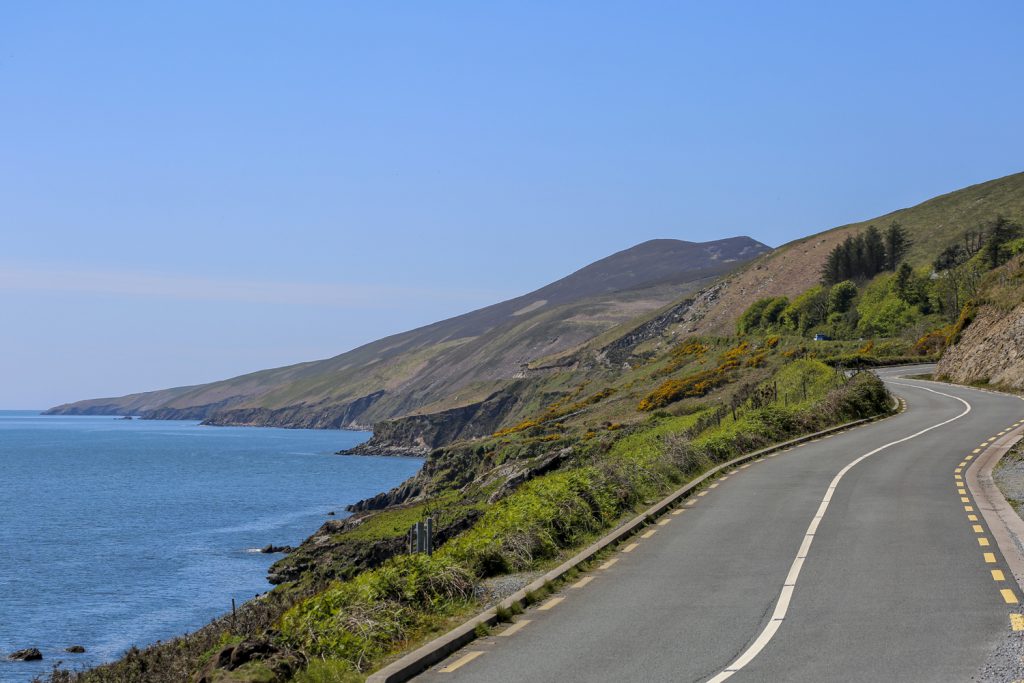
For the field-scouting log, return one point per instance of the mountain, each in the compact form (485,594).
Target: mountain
(453,363)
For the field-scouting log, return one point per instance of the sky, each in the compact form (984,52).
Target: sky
(194,190)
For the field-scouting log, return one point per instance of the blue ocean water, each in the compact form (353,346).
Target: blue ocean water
(117,532)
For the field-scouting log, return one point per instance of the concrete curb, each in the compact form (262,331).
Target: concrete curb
(1006,525)
(438,649)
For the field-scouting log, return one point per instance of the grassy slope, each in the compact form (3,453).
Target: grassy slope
(794,267)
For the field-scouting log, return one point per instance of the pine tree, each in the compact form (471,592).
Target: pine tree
(874,252)
(897,243)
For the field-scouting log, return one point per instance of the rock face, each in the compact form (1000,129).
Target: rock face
(990,350)
(417,435)
(30,654)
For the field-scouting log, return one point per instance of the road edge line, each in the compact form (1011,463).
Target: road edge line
(422,658)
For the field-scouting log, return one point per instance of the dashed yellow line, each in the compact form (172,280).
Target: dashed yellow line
(965,500)
(691,502)
(972,518)
(1009,596)
(990,558)
(549,604)
(702,494)
(977,450)
(977,528)
(664,521)
(962,492)
(723,478)
(518,626)
(460,662)
(997,575)
(1017,622)
(968,508)
(678,511)
(648,533)
(968,457)
(983,542)
(713,486)
(609,563)
(633,546)
(963,464)
(582,582)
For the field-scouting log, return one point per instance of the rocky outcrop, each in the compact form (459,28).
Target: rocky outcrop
(990,350)
(419,434)
(29,654)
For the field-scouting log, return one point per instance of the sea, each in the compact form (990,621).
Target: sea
(117,532)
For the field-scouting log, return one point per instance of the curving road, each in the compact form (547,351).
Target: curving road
(857,557)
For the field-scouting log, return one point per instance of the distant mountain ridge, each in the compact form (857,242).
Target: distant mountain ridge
(452,363)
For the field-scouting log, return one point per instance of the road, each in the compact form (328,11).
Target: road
(894,583)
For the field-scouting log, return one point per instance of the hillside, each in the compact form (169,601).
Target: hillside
(796,266)
(990,350)
(451,363)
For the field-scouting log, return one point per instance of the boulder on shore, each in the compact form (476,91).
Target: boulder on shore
(271,548)
(29,654)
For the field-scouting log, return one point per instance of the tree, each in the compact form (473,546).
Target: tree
(897,243)
(950,257)
(903,286)
(873,253)
(832,271)
(999,233)
(841,296)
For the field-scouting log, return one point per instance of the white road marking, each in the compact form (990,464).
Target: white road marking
(782,604)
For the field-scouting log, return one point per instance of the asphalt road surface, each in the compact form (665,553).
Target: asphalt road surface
(816,564)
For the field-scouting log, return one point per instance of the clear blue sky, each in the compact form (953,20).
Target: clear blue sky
(189,191)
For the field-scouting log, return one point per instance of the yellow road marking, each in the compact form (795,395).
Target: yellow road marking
(702,493)
(958,470)
(968,508)
(992,439)
(990,558)
(957,477)
(997,575)
(1017,622)
(963,464)
(977,529)
(743,467)
(968,457)
(1000,433)
(609,563)
(723,478)
(648,533)
(549,604)
(982,444)
(664,521)
(461,661)
(713,486)
(972,518)
(965,500)
(678,512)
(1009,596)
(962,492)
(582,582)
(515,627)
(691,503)
(633,546)
(977,450)
(983,542)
